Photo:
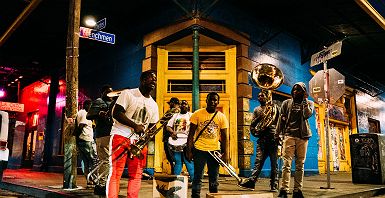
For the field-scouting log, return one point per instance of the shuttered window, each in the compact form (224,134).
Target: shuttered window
(207,60)
(205,86)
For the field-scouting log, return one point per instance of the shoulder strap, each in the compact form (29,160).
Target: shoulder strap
(200,132)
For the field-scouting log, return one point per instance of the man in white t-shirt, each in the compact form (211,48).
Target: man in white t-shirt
(178,128)
(85,141)
(134,112)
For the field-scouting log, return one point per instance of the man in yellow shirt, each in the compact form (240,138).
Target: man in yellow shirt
(208,132)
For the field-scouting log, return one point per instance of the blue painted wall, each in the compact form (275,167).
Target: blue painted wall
(284,51)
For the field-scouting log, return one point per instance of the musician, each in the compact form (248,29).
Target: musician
(100,112)
(178,128)
(294,124)
(201,142)
(134,111)
(85,141)
(267,146)
(173,103)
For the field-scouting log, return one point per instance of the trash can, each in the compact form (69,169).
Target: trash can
(367,155)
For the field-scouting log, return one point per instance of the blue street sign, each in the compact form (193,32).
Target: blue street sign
(97,35)
(101,24)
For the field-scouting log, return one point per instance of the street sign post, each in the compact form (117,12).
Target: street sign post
(317,58)
(97,35)
(336,86)
(326,54)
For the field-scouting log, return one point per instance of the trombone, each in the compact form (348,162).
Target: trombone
(135,149)
(230,169)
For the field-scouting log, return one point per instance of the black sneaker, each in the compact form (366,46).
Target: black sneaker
(297,194)
(248,184)
(274,188)
(100,190)
(282,194)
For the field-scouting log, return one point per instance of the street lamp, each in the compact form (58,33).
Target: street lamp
(90,21)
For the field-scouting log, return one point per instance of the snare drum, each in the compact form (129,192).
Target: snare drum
(178,144)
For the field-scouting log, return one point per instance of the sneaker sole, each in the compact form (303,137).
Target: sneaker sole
(252,189)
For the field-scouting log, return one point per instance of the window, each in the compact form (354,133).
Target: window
(207,60)
(374,126)
(205,86)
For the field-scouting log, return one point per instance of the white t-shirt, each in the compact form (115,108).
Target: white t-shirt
(181,125)
(139,109)
(87,132)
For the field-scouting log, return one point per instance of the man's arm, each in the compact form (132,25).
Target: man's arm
(190,141)
(308,108)
(119,115)
(94,111)
(171,132)
(224,145)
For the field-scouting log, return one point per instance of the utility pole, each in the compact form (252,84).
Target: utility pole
(72,55)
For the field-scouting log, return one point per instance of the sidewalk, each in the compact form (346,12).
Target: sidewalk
(43,184)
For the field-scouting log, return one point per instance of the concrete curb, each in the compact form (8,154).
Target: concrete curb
(364,194)
(33,191)
(47,193)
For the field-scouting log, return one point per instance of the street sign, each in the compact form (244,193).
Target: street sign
(10,106)
(326,54)
(336,86)
(101,24)
(97,35)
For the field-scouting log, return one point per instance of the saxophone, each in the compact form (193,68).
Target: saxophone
(268,77)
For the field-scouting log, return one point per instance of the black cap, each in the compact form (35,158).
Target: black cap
(173,100)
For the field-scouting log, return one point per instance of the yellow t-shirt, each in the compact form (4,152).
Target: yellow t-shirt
(209,139)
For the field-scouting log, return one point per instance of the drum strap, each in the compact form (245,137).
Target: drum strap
(200,132)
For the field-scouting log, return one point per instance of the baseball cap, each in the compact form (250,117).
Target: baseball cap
(173,100)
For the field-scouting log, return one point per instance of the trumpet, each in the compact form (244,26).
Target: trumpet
(230,169)
(136,148)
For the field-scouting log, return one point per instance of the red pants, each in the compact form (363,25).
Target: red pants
(119,146)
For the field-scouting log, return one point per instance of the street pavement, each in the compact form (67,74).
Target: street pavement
(44,184)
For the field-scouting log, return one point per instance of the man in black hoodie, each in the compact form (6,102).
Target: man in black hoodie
(100,112)
(293,124)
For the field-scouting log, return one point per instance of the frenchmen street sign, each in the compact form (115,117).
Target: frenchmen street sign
(97,35)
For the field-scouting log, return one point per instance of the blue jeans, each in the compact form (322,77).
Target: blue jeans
(179,158)
(200,160)
(88,155)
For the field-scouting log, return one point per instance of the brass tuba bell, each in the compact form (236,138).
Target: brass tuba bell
(267,77)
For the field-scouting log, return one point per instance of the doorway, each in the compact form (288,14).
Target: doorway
(216,73)
(339,143)
(30,139)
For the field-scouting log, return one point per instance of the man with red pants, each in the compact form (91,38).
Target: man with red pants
(134,111)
